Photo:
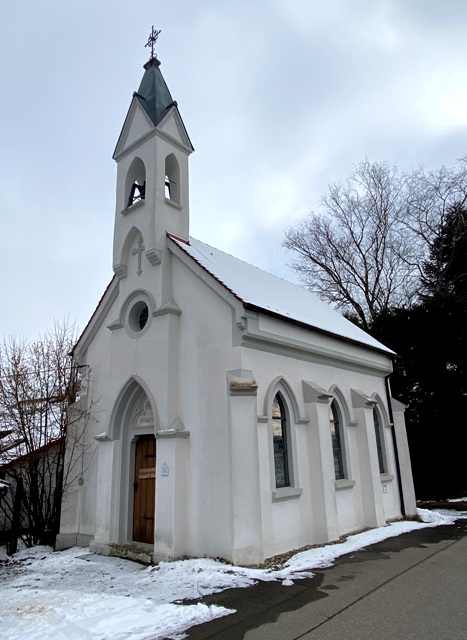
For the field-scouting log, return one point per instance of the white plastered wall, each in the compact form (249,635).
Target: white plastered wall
(206,518)
(324,509)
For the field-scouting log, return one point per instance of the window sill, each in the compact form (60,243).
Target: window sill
(286,493)
(132,207)
(173,204)
(344,484)
(386,477)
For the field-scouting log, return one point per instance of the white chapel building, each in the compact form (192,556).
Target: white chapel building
(232,414)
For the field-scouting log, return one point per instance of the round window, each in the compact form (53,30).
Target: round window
(138,316)
(136,313)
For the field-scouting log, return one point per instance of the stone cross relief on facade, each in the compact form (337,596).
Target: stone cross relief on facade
(138,250)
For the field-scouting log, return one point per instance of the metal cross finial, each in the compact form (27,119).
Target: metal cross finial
(152,40)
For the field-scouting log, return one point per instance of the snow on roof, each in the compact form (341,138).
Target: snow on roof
(261,289)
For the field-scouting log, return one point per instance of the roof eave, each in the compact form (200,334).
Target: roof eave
(253,307)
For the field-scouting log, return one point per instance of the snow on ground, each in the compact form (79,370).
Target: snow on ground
(75,595)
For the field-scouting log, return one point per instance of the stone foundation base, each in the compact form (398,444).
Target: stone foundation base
(137,552)
(67,540)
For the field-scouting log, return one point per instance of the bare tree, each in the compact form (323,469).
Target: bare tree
(365,251)
(356,253)
(431,197)
(39,402)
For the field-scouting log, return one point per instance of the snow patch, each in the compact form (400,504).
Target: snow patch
(76,595)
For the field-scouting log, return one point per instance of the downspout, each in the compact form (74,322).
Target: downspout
(394,441)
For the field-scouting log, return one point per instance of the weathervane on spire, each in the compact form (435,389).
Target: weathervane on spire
(152,41)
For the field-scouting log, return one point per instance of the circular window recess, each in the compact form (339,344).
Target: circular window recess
(138,316)
(136,313)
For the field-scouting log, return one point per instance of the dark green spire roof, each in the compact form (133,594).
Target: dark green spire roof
(154,97)
(153,94)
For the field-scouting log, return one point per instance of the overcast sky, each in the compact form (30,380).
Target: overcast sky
(280,98)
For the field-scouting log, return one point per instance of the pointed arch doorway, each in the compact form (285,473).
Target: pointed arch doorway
(144,489)
(135,422)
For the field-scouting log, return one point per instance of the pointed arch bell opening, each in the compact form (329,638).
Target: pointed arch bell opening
(172,179)
(135,183)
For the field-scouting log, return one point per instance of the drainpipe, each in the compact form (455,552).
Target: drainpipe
(394,440)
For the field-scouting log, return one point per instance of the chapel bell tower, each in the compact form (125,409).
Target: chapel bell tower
(152,171)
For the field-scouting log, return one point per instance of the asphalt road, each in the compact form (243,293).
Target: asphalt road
(410,587)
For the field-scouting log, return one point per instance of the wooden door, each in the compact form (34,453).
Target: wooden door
(144,489)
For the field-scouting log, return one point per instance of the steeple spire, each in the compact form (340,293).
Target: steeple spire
(152,175)
(153,93)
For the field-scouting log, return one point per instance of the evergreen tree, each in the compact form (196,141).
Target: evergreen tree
(446,270)
(430,373)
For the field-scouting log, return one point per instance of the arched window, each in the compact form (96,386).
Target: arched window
(379,442)
(280,440)
(172,179)
(337,441)
(135,184)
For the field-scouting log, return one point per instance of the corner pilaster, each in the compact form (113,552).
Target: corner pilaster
(324,503)
(106,527)
(370,477)
(171,494)
(406,479)
(246,529)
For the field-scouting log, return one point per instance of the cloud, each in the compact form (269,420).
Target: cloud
(279,97)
